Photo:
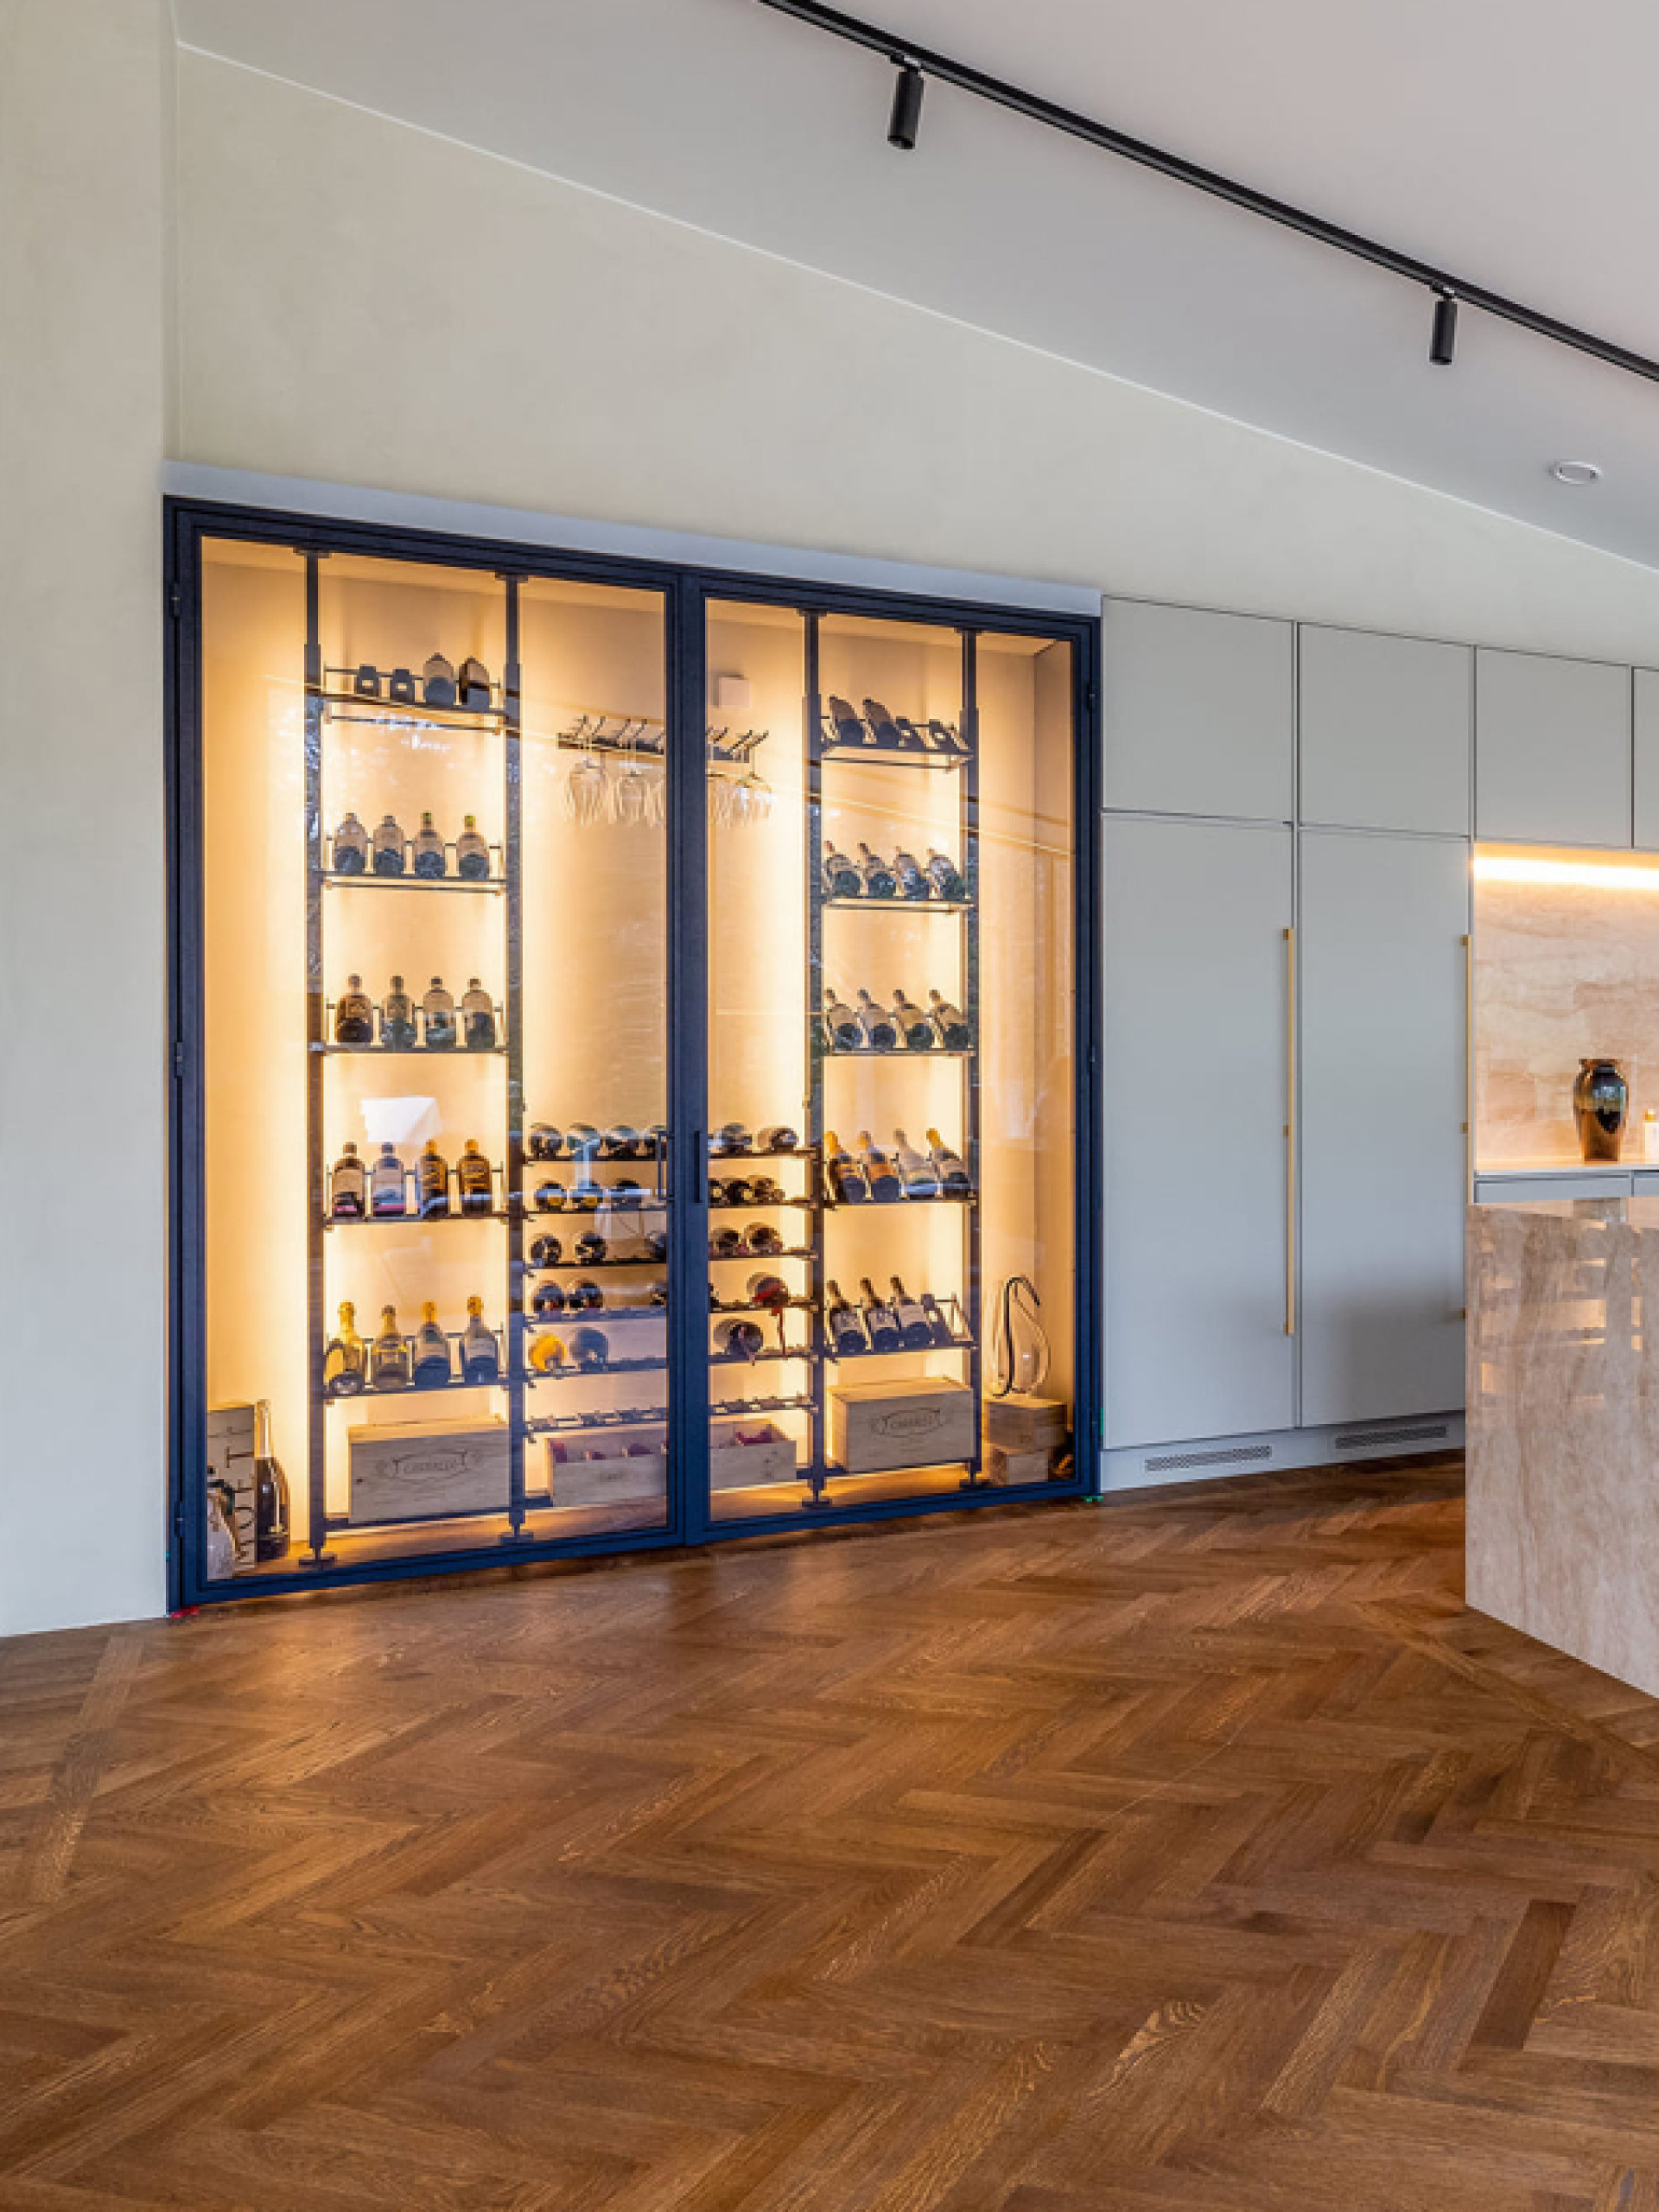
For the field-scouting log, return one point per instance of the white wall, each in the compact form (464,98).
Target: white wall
(366,302)
(82,104)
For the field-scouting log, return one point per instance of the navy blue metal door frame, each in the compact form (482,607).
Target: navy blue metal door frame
(686,593)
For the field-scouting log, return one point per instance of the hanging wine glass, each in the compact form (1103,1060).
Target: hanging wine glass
(631,796)
(584,789)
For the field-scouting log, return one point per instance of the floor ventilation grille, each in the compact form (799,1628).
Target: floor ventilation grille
(1361,1440)
(1236,1455)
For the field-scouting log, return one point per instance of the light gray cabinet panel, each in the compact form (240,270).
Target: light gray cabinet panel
(1384,1167)
(1552,750)
(1645,773)
(1196,1084)
(1198,712)
(1385,731)
(1537,1190)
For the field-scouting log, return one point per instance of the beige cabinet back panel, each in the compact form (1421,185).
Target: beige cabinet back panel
(1552,750)
(1199,713)
(1385,726)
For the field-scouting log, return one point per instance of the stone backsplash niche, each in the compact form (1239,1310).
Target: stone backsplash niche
(1567,968)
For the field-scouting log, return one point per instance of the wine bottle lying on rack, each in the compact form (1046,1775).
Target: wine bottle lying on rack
(431,859)
(848,728)
(910,877)
(914,1325)
(878,876)
(846,1329)
(846,1178)
(347,1186)
(350,851)
(879,1319)
(952,1031)
(397,1031)
(431,1350)
(914,1027)
(388,858)
(432,1174)
(842,879)
(919,1175)
(953,1175)
(878,1032)
(879,1173)
(841,1029)
(346,1361)
(943,874)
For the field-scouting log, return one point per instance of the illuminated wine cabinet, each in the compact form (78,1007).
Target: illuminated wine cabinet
(634,1032)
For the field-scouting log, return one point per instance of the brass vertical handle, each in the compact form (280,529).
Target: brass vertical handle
(1290,1133)
(1469,1066)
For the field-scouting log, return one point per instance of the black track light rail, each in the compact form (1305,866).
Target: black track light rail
(905,54)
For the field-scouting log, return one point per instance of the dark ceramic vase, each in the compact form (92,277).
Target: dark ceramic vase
(1601,1099)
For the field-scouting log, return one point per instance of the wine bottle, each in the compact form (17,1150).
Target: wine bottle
(878,876)
(842,879)
(769,1291)
(472,853)
(878,1033)
(945,879)
(914,1027)
(916,1172)
(365,684)
(726,1244)
(952,1031)
(388,848)
(431,858)
(591,1349)
(953,1176)
(543,1142)
(909,736)
(438,1018)
(585,1295)
(472,686)
(620,1142)
(346,1361)
(551,1198)
(353,1014)
(763,1240)
(841,1032)
(740,1192)
(914,1325)
(911,877)
(546,1300)
(474,1180)
(348,1190)
(936,1321)
(272,1529)
(431,1350)
(432,1171)
(730,1137)
(397,1032)
(592,1249)
(656,1294)
(881,726)
(582,1141)
(478,1017)
(841,1320)
(400,689)
(944,739)
(547,1354)
(546,1252)
(879,1319)
(351,848)
(738,1340)
(763,1192)
(655,1243)
(389,1355)
(879,1171)
(388,1186)
(848,728)
(777,1136)
(438,682)
(843,1173)
(480,1355)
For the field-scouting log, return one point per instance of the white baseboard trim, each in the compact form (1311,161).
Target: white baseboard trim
(1151,1466)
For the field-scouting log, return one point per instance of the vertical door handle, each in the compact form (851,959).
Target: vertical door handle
(1468,1067)
(1290,1133)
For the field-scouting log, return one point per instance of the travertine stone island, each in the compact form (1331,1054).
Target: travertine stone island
(1563,1428)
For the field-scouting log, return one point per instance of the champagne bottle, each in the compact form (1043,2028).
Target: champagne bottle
(655,1245)
(730,1137)
(472,853)
(431,858)
(881,726)
(547,1354)
(582,1141)
(551,1198)
(842,879)
(764,1191)
(592,1249)
(397,1032)
(953,1173)
(738,1340)
(945,740)
(916,1172)
(431,1350)
(848,728)
(480,1355)
(433,1175)
(388,848)
(438,1018)
(353,1014)
(937,1323)
(846,1329)
(656,1294)
(478,1017)
(438,682)
(738,1191)
(401,687)
(777,1136)
(726,1244)
(909,736)
(543,1142)
(769,1291)
(879,1319)
(846,1178)
(585,1295)
(272,1529)
(388,1186)
(347,1187)
(878,876)
(878,1033)
(621,1142)
(474,691)
(952,1031)
(911,877)
(346,1361)
(947,882)
(365,684)
(914,1027)
(763,1240)
(914,1323)
(351,848)
(879,1171)
(474,1180)
(841,1032)
(591,1349)
(546,1300)
(389,1355)
(546,1252)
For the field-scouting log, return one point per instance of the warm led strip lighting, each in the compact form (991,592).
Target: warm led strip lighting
(1594,876)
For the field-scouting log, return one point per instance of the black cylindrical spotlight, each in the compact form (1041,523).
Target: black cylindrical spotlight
(1443,339)
(906,115)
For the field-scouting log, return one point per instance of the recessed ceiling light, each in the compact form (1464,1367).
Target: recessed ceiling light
(1575,472)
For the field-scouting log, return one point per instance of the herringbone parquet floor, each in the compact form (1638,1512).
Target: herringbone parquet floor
(1199,1851)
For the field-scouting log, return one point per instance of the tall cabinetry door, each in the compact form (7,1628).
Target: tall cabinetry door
(1197,713)
(1384,731)
(1384,1166)
(1196,1098)
(1552,750)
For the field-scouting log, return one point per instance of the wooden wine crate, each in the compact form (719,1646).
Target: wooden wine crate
(615,1466)
(925,1421)
(423,1471)
(230,1459)
(1020,1423)
(768,1456)
(1012,1468)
